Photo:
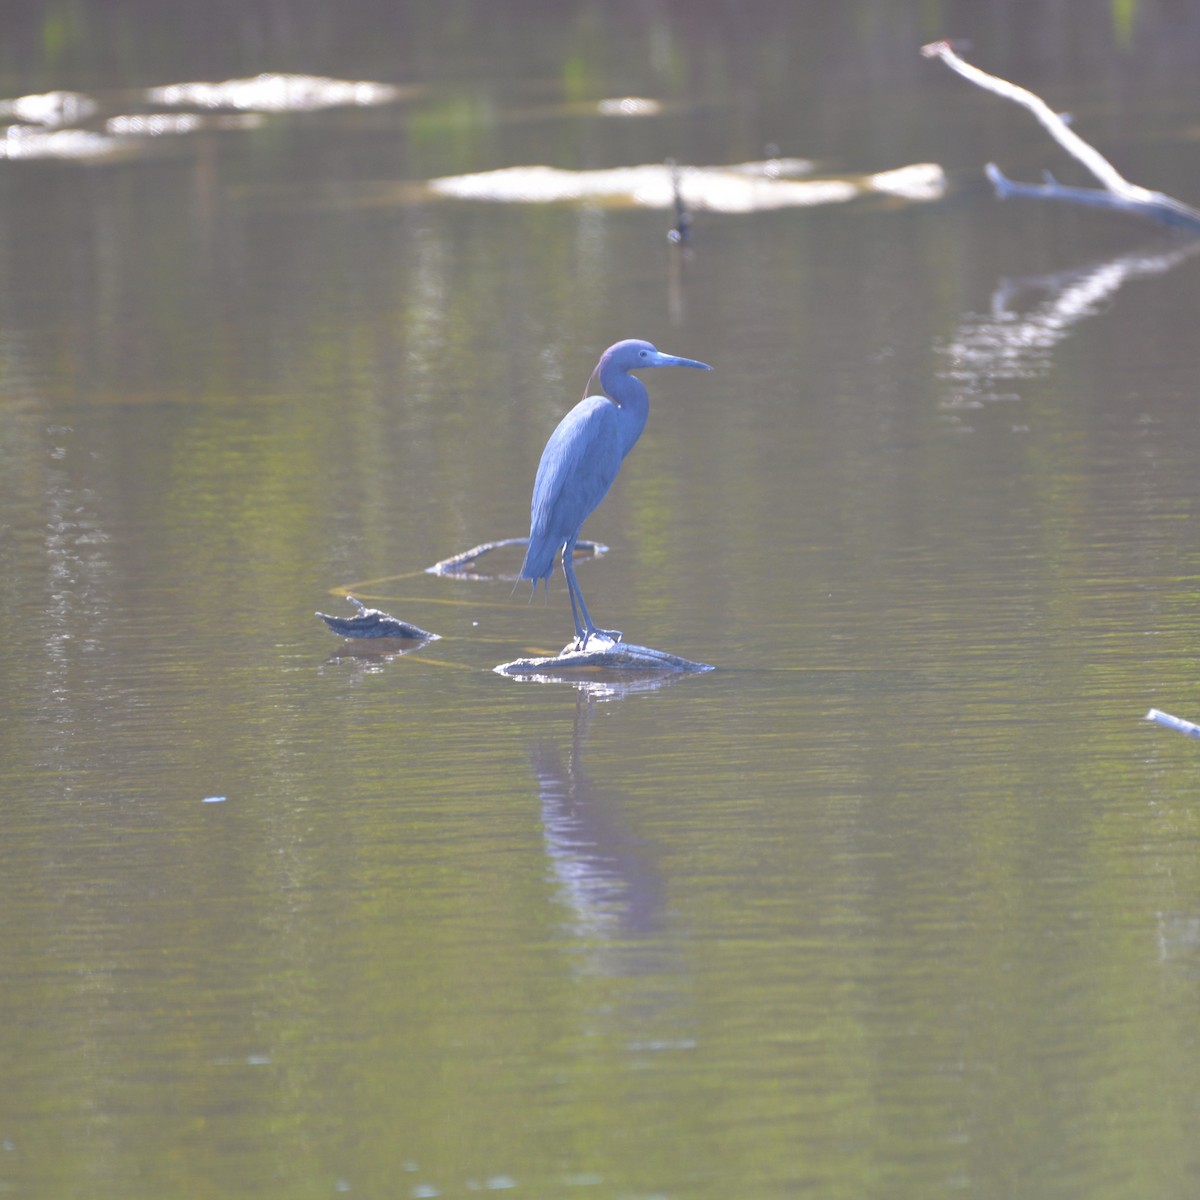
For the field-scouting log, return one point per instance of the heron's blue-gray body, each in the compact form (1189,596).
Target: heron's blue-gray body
(580,462)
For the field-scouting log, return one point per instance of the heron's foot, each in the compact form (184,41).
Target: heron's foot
(610,635)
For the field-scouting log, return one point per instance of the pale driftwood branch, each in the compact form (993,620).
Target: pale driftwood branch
(1187,728)
(1054,125)
(1117,192)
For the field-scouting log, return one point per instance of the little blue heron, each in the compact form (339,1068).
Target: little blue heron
(581,460)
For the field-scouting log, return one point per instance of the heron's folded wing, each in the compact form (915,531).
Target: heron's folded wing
(578,466)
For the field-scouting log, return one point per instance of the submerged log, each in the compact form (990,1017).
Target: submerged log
(741,188)
(603,654)
(1116,191)
(374,623)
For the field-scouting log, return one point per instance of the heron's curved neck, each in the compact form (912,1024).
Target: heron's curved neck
(629,394)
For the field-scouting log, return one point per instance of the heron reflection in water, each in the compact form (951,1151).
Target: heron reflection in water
(580,462)
(609,881)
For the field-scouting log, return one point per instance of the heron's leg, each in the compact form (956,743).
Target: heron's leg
(573,592)
(585,628)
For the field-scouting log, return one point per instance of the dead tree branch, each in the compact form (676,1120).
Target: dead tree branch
(1117,192)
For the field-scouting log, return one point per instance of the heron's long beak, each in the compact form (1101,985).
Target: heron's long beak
(669,360)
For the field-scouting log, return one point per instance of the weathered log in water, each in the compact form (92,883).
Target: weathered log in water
(374,623)
(603,654)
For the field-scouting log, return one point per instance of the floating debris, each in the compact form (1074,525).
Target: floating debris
(602,654)
(774,167)
(275,93)
(151,125)
(919,182)
(741,188)
(1187,728)
(28,141)
(629,106)
(374,623)
(52,109)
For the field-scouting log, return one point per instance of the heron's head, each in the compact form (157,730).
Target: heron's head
(635,355)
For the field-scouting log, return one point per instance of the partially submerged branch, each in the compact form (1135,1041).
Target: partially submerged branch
(1153,205)
(1187,728)
(466,564)
(1117,192)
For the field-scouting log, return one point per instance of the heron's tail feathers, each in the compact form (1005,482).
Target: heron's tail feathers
(533,591)
(539,561)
